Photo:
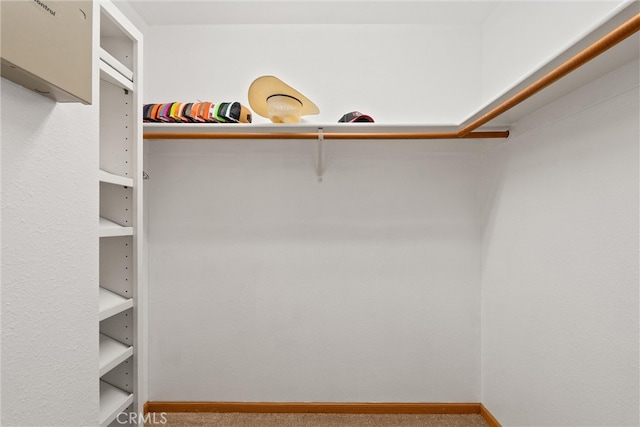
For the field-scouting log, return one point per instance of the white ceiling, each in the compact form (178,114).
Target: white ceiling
(188,12)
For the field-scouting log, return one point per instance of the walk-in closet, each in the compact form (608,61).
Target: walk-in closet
(471,245)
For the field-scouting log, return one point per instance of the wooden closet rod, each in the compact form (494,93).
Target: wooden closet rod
(619,34)
(326,135)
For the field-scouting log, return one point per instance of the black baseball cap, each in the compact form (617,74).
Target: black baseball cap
(355,116)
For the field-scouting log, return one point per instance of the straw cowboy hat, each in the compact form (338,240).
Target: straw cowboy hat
(266,87)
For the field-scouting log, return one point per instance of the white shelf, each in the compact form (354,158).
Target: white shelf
(111,62)
(112,304)
(111,229)
(112,402)
(112,353)
(619,55)
(115,179)
(110,75)
(194,128)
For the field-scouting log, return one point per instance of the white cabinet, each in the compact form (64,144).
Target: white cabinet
(120,226)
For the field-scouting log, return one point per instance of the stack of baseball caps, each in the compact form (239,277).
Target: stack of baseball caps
(196,112)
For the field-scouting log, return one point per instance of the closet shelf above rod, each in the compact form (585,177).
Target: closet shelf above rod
(567,62)
(620,33)
(326,135)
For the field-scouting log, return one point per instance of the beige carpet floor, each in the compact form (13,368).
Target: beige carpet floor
(316,420)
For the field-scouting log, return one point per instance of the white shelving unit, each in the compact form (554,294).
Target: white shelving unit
(112,303)
(118,59)
(115,179)
(112,353)
(110,229)
(112,402)
(111,75)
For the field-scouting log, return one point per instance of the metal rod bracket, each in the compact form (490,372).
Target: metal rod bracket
(320,155)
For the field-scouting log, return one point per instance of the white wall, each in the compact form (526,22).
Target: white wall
(395,73)
(521,36)
(132,15)
(49,266)
(560,262)
(266,285)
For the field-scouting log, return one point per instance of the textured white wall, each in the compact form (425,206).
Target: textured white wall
(396,73)
(49,262)
(521,36)
(560,262)
(266,285)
